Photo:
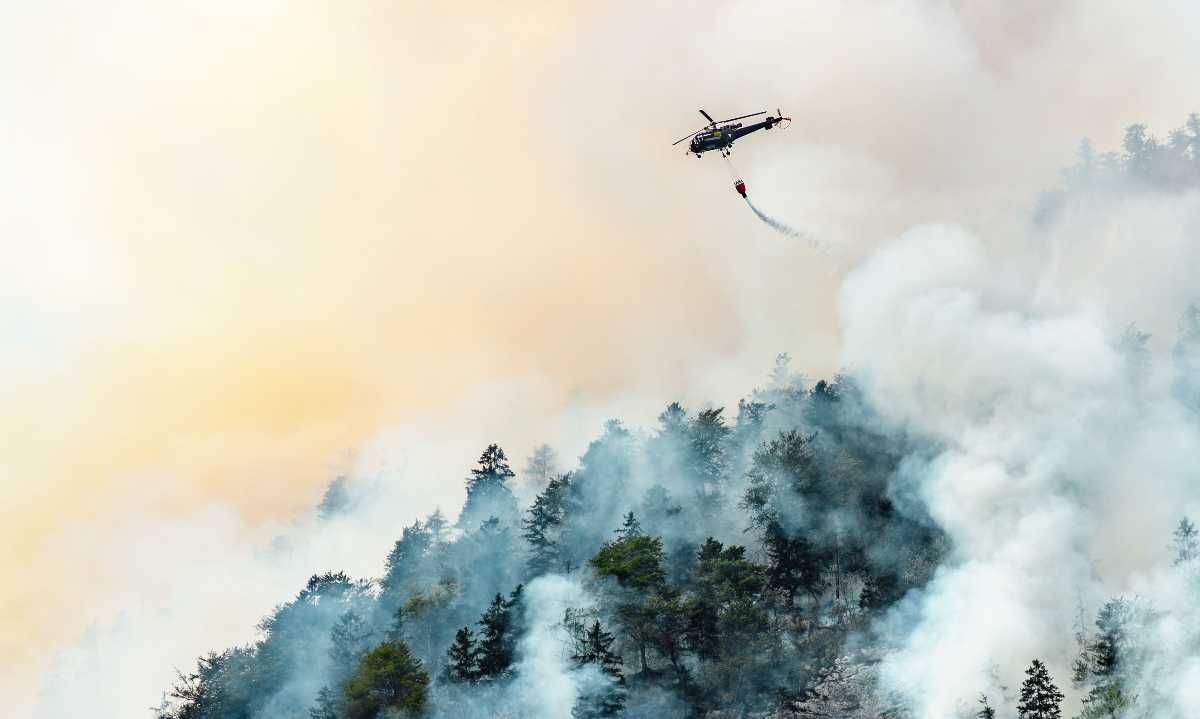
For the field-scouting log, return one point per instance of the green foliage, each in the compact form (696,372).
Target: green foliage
(348,642)
(707,628)
(603,696)
(543,526)
(389,677)
(328,705)
(985,709)
(636,562)
(1107,701)
(488,494)
(630,527)
(498,634)
(1040,698)
(464,657)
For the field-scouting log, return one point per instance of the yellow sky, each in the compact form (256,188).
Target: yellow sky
(240,238)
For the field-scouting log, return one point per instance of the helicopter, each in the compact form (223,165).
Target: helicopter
(712,137)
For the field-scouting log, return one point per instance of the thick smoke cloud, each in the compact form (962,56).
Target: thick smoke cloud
(1060,473)
(907,112)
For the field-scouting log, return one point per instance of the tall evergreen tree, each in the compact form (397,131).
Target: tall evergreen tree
(1040,698)
(327,706)
(406,567)
(708,457)
(985,709)
(543,526)
(348,642)
(1186,542)
(604,696)
(436,525)
(488,494)
(1112,650)
(336,500)
(498,634)
(793,566)
(630,527)
(464,657)
(540,468)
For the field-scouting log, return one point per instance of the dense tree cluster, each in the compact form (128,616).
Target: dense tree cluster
(729,563)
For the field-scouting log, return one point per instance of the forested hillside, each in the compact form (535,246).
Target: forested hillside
(752,561)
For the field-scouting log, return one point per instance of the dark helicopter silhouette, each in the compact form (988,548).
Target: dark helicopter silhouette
(712,137)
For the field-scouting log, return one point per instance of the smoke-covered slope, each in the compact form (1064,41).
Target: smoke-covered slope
(985,514)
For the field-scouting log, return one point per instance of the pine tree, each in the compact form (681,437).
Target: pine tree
(1040,698)
(985,709)
(406,564)
(793,566)
(348,642)
(707,435)
(605,697)
(488,494)
(540,468)
(630,527)
(395,632)
(499,630)
(336,499)
(543,526)
(464,657)
(1112,624)
(1186,543)
(1109,654)
(436,525)
(327,705)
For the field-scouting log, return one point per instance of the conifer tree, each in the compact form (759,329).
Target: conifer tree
(1112,649)
(543,526)
(464,657)
(630,527)
(605,697)
(348,642)
(1186,542)
(488,494)
(1040,698)
(499,631)
(540,468)
(326,707)
(406,563)
(436,525)
(985,709)
(395,632)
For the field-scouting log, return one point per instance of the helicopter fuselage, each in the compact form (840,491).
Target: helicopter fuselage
(722,138)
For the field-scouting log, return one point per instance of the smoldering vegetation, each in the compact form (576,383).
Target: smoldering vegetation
(706,564)
(809,552)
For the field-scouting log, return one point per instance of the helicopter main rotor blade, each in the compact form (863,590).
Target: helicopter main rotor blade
(743,117)
(687,136)
(708,117)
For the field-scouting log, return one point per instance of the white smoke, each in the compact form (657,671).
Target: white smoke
(547,684)
(1059,475)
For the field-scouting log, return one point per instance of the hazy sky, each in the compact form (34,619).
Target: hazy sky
(246,244)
